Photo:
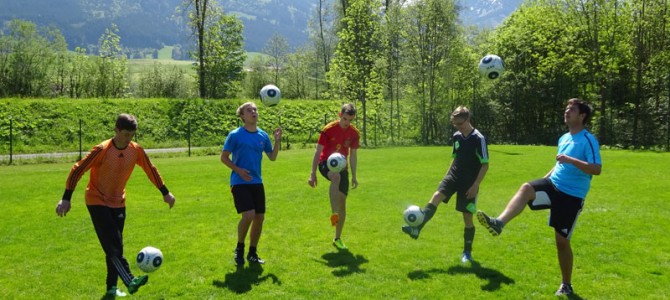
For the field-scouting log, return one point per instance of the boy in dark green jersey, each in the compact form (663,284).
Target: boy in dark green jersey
(467,170)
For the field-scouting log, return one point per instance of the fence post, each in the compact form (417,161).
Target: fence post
(188,136)
(79,140)
(11,138)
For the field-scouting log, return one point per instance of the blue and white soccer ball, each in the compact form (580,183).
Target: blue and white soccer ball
(491,66)
(336,162)
(413,215)
(149,259)
(270,95)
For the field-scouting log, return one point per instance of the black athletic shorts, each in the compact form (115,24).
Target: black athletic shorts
(344,177)
(564,209)
(249,197)
(449,186)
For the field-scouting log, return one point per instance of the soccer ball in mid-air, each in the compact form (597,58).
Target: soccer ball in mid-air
(413,216)
(149,259)
(491,66)
(336,162)
(270,95)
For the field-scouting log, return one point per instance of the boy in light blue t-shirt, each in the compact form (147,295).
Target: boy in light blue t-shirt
(562,190)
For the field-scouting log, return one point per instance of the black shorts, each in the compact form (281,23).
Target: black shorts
(449,186)
(564,209)
(249,197)
(344,177)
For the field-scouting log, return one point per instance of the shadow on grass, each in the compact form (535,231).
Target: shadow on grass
(345,262)
(243,279)
(506,152)
(495,278)
(572,297)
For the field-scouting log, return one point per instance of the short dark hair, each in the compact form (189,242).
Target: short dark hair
(584,108)
(126,122)
(348,109)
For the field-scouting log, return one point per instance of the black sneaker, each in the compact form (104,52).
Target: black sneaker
(413,232)
(254,259)
(239,256)
(564,289)
(493,225)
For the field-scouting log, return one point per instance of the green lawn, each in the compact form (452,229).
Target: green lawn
(621,250)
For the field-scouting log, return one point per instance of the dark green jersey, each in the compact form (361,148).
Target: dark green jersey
(469,153)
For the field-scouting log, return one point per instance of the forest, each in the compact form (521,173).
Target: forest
(405,64)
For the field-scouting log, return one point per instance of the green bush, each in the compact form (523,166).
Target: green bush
(52,125)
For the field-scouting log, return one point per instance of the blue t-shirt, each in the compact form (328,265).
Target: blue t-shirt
(566,177)
(247,149)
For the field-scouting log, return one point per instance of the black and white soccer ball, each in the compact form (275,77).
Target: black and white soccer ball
(413,215)
(149,259)
(336,162)
(491,66)
(270,95)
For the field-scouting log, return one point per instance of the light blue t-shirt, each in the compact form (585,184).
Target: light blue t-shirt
(247,149)
(566,177)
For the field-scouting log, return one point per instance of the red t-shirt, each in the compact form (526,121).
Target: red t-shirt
(334,138)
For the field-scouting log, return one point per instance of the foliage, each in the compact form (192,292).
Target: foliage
(276,48)
(224,57)
(54,125)
(352,75)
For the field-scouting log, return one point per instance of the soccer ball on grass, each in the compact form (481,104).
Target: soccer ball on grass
(270,95)
(336,162)
(149,259)
(413,216)
(491,66)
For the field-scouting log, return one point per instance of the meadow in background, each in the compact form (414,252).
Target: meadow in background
(620,243)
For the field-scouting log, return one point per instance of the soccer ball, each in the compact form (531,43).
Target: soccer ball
(491,66)
(413,215)
(149,259)
(270,95)
(336,162)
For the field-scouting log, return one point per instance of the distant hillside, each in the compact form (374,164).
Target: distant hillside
(154,23)
(487,13)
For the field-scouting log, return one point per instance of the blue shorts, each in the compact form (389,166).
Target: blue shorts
(564,209)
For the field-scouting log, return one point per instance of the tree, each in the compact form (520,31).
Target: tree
(219,50)
(431,34)
(277,48)
(324,38)
(224,57)
(353,76)
(112,65)
(26,57)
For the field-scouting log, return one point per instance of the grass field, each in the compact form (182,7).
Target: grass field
(621,250)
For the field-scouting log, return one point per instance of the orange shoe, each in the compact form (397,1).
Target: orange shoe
(334,219)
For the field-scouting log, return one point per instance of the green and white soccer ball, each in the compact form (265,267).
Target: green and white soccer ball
(336,162)
(413,215)
(149,259)
(491,66)
(270,95)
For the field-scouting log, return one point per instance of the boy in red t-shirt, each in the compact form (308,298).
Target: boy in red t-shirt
(337,136)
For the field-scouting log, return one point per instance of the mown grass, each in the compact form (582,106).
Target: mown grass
(620,247)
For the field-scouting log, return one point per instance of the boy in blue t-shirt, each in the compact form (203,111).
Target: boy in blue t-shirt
(247,144)
(562,190)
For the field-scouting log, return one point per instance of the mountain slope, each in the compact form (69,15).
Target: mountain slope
(154,23)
